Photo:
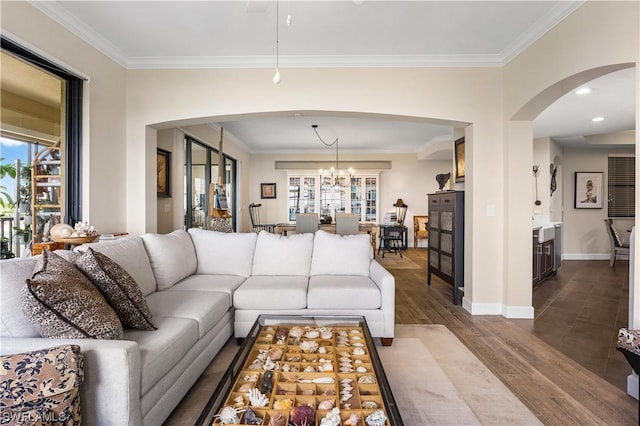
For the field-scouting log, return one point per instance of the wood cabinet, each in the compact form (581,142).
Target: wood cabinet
(543,258)
(446,239)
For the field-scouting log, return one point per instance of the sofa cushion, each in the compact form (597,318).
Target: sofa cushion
(224,253)
(172,257)
(42,384)
(282,255)
(118,287)
(128,252)
(162,349)
(62,303)
(272,292)
(354,257)
(226,284)
(14,273)
(342,292)
(205,307)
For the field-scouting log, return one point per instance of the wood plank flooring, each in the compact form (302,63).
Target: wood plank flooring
(553,372)
(562,365)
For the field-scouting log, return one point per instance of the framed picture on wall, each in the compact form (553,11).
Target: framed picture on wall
(164,173)
(267,190)
(459,158)
(588,190)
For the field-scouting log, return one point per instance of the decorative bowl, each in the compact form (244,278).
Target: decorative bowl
(75,240)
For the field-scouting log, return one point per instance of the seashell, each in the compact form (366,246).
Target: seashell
(353,420)
(255,366)
(361,370)
(346,369)
(355,331)
(281,334)
(346,406)
(356,338)
(342,333)
(357,344)
(282,404)
(277,419)
(61,230)
(309,369)
(270,365)
(238,402)
(346,388)
(228,415)
(303,415)
(345,397)
(318,380)
(346,381)
(332,418)
(367,380)
(326,404)
(377,418)
(312,334)
(250,377)
(258,399)
(369,404)
(309,347)
(246,387)
(274,353)
(345,354)
(296,332)
(358,351)
(322,350)
(327,366)
(285,392)
(329,392)
(250,418)
(358,361)
(326,333)
(308,392)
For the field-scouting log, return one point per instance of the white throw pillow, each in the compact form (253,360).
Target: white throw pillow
(341,254)
(172,257)
(280,255)
(224,253)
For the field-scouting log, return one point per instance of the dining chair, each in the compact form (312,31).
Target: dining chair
(347,224)
(617,246)
(420,229)
(391,239)
(306,223)
(254,214)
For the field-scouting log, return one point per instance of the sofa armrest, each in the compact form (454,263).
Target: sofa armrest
(387,285)
(110,393)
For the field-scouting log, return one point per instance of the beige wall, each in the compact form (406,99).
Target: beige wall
(497,234)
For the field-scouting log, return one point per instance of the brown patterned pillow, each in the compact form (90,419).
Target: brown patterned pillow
(119,289)
(42,387)
(62,303)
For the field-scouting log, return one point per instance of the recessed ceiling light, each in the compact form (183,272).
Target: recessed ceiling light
(597,119)
(583,91)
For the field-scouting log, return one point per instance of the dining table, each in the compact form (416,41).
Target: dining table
(363,227)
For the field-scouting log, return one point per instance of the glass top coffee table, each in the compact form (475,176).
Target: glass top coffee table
(329,363)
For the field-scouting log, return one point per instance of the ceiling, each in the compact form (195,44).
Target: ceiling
(232,34)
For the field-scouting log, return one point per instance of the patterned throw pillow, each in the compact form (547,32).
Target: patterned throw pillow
(119,289)
(62,303)
(42,387)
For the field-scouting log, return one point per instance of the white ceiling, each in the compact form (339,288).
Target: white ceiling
(210,34)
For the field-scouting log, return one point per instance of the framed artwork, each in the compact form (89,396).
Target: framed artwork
(588,190)
(267,190)
(459,159)
(164,173)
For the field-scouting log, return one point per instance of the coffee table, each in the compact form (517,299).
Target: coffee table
(338,361)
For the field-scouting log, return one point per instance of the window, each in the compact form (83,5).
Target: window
(312,193)
(621,186)
(44,115)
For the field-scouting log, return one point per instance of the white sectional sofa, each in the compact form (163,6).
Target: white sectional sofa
(202,287)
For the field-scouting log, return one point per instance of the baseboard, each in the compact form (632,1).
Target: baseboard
(586,256)
(632,385)
(518,312)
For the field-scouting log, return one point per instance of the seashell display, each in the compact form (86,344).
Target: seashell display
(250,418)
(282,404)
(332,418)
(377,418)
(369,404)
(228,415)
(309,346)
(277,419)
(326,404)
(258,399)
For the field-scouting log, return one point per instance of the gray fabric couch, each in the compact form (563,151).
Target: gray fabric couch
(203,287)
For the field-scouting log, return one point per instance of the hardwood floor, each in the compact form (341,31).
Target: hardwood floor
(563,364)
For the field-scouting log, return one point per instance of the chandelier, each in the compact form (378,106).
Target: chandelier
(334,177)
